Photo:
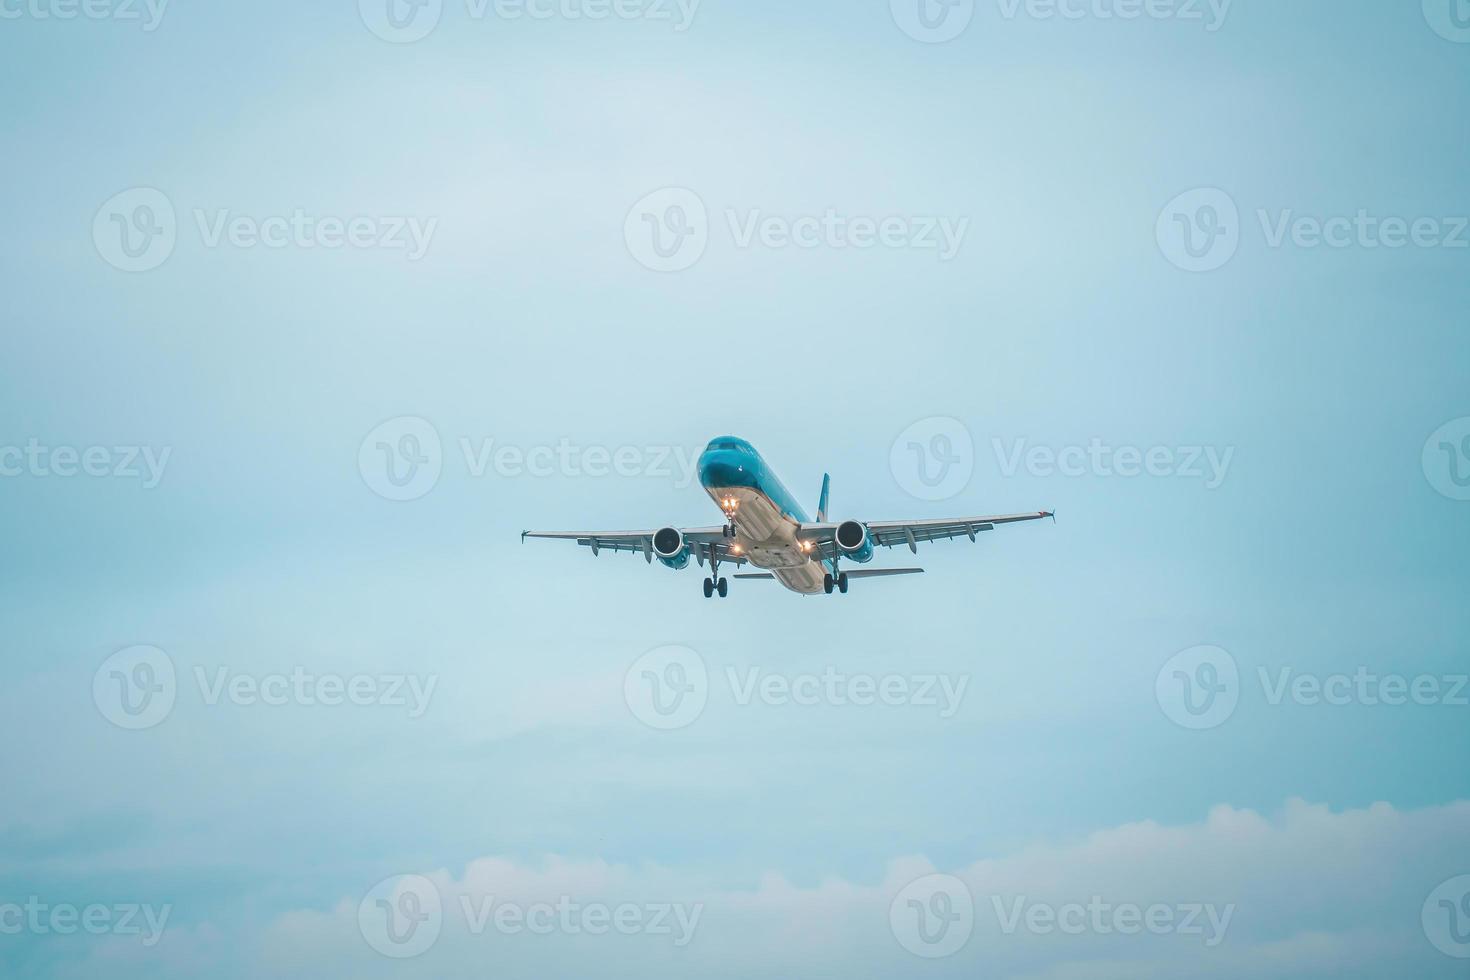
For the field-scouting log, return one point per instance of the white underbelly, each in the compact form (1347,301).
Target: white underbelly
(767,538)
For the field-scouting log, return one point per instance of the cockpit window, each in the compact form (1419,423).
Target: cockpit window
(738,445)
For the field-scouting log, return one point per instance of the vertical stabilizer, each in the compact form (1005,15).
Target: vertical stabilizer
(822,502)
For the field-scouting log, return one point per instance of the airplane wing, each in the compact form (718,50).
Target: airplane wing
(910,533)
(699,539)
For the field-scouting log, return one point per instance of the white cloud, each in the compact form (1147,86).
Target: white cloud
(1311,892)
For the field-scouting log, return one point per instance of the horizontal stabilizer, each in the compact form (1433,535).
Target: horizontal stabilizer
(749,575)
(880,572)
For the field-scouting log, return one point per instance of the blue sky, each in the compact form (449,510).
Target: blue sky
(261,548)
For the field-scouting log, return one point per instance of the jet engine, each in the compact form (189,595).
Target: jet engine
(854,542)
(670,548)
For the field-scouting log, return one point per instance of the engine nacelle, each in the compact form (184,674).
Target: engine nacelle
(854,542)
(670,548)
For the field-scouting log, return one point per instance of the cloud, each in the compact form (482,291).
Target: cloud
(1304,891)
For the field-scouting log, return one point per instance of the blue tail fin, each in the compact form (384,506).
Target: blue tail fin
(822,503)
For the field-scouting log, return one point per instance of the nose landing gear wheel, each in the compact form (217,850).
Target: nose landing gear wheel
(723,588)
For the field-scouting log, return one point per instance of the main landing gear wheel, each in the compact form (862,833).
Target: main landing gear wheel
(827,583)
(709,588)
(842,583)
(723,588)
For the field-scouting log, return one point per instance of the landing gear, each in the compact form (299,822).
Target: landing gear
(838,582)
(842,583)
(827,583)
(715,583)
(729,529)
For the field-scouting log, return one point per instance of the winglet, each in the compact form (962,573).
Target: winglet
(523,536)
(1053,515)
(822,501)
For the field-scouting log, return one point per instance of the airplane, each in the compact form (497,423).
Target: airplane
(766,528)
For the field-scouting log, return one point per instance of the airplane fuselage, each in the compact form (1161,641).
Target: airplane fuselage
(765,514)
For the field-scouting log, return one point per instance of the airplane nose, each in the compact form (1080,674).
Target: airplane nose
(723,468)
